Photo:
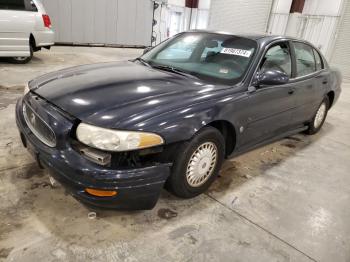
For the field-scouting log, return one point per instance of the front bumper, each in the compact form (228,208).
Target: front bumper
(137,188)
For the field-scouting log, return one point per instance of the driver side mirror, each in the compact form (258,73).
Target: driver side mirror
(272,77)
(147,49)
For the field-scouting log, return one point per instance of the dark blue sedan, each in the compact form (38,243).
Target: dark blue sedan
(115,134)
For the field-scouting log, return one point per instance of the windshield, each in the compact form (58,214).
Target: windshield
(209,56)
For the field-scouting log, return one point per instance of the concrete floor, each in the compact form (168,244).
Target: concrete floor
(288,201)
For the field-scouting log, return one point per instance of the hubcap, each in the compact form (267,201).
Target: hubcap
(320,115)
(201,164)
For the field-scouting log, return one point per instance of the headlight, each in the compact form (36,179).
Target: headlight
(114,140)
(26,89)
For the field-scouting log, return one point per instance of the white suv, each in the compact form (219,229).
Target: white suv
(24,28)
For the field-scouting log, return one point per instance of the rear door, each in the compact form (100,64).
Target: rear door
(16,24)
(268,110)
(310,81)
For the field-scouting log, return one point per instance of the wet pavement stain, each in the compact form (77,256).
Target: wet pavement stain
(40,185)
(230,174)
(290,145)
(9,96)
(166,213)
(192,239)
(16,88)
(182,231)
(236,172)
(30,171)
(5,252)
(294,138)
(244,243)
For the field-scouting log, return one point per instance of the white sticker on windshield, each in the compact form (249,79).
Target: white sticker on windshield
(235,51)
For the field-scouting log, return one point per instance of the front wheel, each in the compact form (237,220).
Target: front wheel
(318,120)
(197,164)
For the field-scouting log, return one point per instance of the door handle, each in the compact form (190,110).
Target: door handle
(291,91)
(325,81)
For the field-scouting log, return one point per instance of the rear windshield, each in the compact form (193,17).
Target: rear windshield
(18,5)
(214,57)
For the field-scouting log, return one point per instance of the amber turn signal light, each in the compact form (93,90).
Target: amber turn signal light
(100,193)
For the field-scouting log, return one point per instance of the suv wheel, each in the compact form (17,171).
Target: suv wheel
(23,59)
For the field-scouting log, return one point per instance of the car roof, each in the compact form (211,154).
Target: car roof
(256,37)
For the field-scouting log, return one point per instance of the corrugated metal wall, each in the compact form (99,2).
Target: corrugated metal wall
(319,30)
(118,22)
(279,17)
(341,55)
(239,16)
(316,24)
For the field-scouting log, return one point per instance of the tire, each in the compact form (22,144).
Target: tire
(205,144)
(23,60)
(320,116)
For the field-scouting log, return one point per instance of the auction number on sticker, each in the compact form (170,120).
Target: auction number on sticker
(235,51)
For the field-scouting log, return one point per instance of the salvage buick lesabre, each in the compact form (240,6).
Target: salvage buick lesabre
(115,134)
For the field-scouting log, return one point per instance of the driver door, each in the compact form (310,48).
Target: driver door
(268,109)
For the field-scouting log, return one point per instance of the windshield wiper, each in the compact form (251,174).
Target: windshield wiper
(142,61)
(173,70)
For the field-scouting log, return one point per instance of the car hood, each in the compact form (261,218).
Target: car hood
(119,94)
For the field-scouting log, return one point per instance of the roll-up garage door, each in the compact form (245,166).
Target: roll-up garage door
(341,55)
(114,22)
(239,16)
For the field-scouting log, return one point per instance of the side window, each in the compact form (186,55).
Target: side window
(319,64)
(17,5)
(305,60)
(277,58)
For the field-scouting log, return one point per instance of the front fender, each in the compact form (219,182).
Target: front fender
(182,124)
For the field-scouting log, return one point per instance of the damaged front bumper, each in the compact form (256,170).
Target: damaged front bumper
(137,188)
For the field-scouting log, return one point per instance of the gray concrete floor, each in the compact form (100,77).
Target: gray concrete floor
(288,201)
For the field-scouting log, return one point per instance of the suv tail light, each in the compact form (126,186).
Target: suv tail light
(47,21)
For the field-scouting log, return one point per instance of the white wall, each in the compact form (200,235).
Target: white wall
(281,6)
(322,7)
(177,2)
(341,54)
(204,4)
(317,23)
(173,17)
(279,17)
(239,16)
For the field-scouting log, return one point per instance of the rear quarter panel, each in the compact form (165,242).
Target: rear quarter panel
(43,36)
(335,81)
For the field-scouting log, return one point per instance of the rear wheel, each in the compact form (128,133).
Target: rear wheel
(320,116)
(23,59)
(197,164)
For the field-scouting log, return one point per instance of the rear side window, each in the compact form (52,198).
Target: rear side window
(12,4)
(319,64)
(305,59)
(18,5)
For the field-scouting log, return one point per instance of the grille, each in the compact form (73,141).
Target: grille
(39,128)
